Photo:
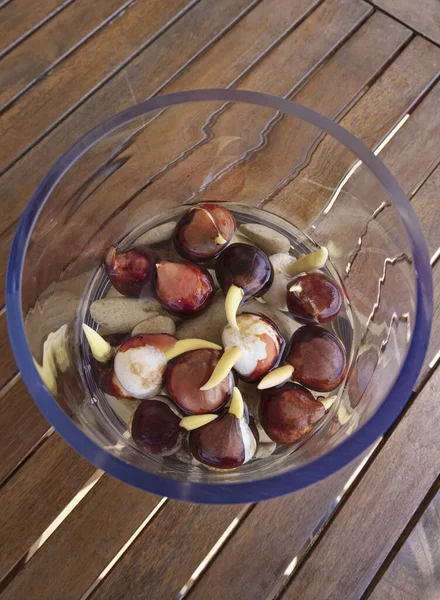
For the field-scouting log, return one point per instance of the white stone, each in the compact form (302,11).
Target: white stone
(121,315)
(157,235)
(207,326)
(267,239)
(156,324)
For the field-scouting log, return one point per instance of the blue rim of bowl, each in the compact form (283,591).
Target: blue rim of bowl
(266,488)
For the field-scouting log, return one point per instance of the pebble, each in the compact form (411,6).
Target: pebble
(214,279)
(265,450)
(121,315)
(240,238)
(251,396)
(157,324)
(264,438)
(277,294)
(123,407)
(157,235)
(207,326)
(267,239)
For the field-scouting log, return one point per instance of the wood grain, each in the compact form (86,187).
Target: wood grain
(369,524)
(423,16)
(356,62)
(74,78)
(414,572)
(162,560)
(434,342)
(22,426)
(145,74)
(289,143)
(84,544)
(273,534)
(426,204)
(31,59)
(17,20)
(36,495)
(370,120)
(8,367)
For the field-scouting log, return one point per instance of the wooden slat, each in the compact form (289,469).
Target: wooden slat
(269,539)
(375,114)
(368,525)
(229,57)
(43,50)
(277,531)
(8,368)
(160,563)
(85,543)
(22,426)
(434,342)
(343,77)
(423,16)
(16,20)
(36,495)
(75,77)
(414,572)
(426,203)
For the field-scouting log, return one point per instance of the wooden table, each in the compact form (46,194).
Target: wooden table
(71,532)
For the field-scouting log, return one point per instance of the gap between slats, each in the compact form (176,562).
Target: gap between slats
(124,549)
(71,50)
(403,538)
(405,24)
(34,28)
(107,78)
(79,496)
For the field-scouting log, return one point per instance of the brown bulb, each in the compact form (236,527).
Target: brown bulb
(185,290)
(314,298)
(131,271)
(188,373)
(140,364)
(204,232)
(246,267)
(225,443)
(155,428)
(261,342)
(318,358)
(288,413)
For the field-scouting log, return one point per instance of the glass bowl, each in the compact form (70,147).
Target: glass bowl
(270,157)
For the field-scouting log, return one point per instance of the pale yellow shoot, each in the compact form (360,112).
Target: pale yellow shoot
(220,239)
(236,407)
(48,376)
(101,350)
(196,421)
(233,300)
(276,377)
(328,402)
(223,367)
(188,345)
(309,262)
